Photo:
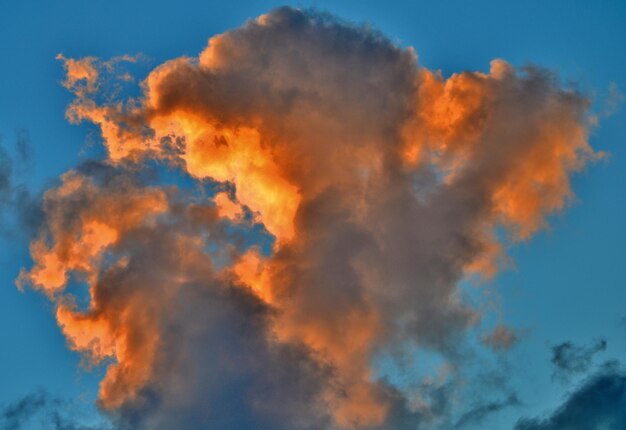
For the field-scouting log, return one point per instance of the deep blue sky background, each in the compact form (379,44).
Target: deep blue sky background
(567,283)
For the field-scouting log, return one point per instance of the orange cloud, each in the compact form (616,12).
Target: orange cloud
(81,75)
(381,181)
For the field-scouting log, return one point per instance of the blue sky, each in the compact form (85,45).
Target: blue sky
(566,284)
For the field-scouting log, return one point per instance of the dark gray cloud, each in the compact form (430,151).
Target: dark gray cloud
(570,359)
(6,173)
(8,166)
(23,145)
(599,403)
(481,411)
(41,410)
(18,204)
(217,366)
(15,415)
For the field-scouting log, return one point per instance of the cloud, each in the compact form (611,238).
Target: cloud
(248,380)
(381,182)
(501,338)
(166,315)
(599,403)
(17,203)
(480,412)
(23,145)
(51,412)
(6,170)
(570,359)
(613,100)
(15,414)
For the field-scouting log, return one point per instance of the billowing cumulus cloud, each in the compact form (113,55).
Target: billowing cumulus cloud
(381,182)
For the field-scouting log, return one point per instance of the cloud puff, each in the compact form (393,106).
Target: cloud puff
(569,359)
